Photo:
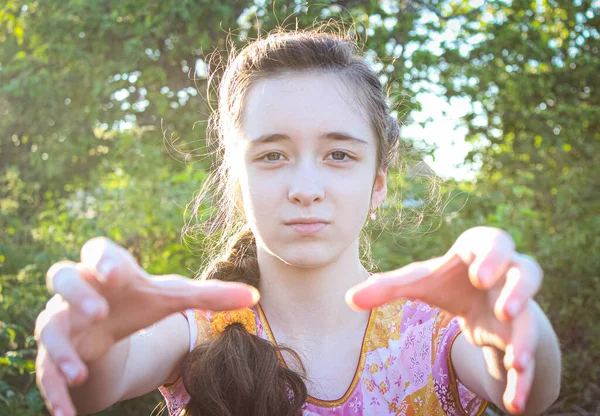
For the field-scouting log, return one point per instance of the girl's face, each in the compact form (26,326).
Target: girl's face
(307,167)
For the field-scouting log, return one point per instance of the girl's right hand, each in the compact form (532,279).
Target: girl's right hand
(104,299)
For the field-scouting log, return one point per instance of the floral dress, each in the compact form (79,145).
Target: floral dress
(404,366)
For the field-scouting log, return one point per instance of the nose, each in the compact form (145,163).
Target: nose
(306,184)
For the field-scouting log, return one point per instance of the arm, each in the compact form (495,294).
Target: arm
(482,370)
(125,372)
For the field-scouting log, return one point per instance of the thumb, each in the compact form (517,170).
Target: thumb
(380,288)
(111,265)
(436,282)
(178,293)
(156,298)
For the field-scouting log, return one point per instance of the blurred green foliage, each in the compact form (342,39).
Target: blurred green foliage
(87,89)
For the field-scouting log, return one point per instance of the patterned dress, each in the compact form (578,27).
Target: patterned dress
(404,366)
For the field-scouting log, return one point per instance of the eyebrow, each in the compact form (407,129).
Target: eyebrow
(277,137)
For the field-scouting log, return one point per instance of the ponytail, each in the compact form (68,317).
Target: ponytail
(237,373)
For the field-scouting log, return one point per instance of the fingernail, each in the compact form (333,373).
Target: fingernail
(512,307)
(255,294)
(485,274)
(105,267)
(350,302)
(57,412)
(90,307)
(69,370)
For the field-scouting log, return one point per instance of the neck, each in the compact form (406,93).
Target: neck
(310,300)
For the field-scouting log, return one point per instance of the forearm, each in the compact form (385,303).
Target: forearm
(136,365)
(545,386)
(103,386)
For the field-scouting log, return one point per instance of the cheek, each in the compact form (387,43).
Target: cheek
(355,205)
(354,201)
(355,189)
(260,199)
(262,208)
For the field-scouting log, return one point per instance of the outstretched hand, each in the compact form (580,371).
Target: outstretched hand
(484,282)
(103,299)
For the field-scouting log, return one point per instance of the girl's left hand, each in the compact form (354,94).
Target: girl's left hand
(488,285)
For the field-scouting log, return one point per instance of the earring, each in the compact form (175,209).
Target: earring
(372,215)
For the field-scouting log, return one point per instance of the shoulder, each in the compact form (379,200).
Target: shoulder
(199,323)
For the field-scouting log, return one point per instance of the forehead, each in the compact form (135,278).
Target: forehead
(303,105)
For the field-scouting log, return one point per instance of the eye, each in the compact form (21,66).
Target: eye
(272,157)
(339,155)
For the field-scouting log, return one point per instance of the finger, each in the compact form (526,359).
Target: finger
(180,293)
(523,280)
(52,385)
(53,271)
(53,335)
(64,279)
(505,307)
(381,288)
(489,252)
(55,305)
(54,302)
(170,294)
(518,385)
(519,360)
(112,265)
(524,339)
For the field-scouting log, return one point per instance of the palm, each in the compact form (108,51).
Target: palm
(448,286)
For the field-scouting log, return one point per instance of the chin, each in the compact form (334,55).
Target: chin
(307,255)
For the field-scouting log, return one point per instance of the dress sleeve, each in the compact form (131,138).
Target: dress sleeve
(454,397)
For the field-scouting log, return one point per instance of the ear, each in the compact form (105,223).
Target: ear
(379,188)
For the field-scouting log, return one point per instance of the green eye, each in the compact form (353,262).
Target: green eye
(273,157)
(338,155)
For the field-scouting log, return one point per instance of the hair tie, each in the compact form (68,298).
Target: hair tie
(221,320)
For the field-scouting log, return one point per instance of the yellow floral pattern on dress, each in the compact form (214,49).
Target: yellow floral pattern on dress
(369,384)
(373,368)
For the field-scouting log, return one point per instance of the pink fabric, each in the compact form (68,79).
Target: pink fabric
(405,366)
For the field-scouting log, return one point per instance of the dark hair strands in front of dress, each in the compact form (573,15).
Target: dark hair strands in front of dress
(236,373)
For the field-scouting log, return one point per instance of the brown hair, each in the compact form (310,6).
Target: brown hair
(237,373)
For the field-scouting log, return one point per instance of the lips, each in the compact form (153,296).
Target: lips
(307,226)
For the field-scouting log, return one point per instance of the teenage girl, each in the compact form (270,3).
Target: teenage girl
(307,139)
